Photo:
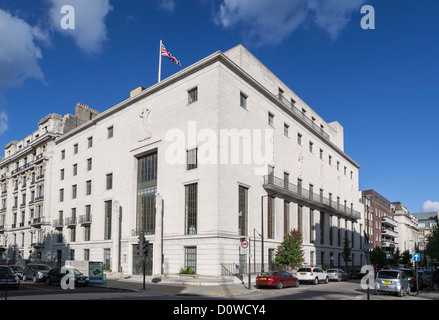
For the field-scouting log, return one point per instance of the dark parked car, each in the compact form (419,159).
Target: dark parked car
(411,277)
(56,274)
(36,272)
(8,276)
(18,271)
(277,279)
(357,274)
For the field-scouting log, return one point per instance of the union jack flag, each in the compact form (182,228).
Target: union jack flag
(166,53)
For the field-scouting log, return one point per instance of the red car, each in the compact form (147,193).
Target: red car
(278,279)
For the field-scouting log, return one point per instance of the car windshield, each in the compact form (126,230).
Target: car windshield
(332,270)
(303,270)
(388,275)
(5,270)
(269,273)
(77,273)
(17,268)
(43,268)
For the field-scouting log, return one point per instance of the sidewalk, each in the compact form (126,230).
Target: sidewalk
(180,286)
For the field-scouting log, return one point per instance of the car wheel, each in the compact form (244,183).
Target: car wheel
(35,279)
(326,280)
(48,281)
(409,291)
(316,281)
(24,278)
(401,292)
(280,285)
(297,284)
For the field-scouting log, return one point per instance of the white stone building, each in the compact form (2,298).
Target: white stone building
(407,230)
(189,161)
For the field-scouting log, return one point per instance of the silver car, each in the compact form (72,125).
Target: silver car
(8,277)
(36,272)
(392,281)
(337,275)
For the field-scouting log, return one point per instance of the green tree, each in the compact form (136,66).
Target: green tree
(396,260)
(406,258)
(290,253)
(347,252)
(432,249)
(378,257)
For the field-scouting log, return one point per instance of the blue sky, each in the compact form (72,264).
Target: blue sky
(381,85)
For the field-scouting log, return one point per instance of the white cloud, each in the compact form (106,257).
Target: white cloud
(167,5)
(3,122)
(430,206)
(90,30)
(270,22)
(19,55)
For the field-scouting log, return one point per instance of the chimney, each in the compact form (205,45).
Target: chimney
(136,91)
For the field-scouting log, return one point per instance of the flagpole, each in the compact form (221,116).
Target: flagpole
(160,61)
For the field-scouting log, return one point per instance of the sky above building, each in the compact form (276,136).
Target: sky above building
(381,85)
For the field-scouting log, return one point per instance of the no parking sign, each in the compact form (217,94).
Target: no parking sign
(244,247)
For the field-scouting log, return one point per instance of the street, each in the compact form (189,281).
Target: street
(350,290)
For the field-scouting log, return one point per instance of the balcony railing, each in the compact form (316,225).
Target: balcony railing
(302,116)
(389,221)
(298,193)
(85,219)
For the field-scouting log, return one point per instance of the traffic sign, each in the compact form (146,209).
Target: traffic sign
(416,257)
(244,247)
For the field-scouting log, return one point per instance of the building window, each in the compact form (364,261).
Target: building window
(110,132)
(62,174)
(107,259)
(299,218)
(330,160)
(146,190)
(63,154)
(242,211)
(311,146)
(190,258)
(89,164)
(191,157)
(299,139)
(270,218)
(322,227)
(75,169)
(90,142)
(86,254)
(61,195)
(311,226)
(270,119)
(191,201)
(74,191)
(109,182)
(286,129)
(88,188)
(75,148)
(107,226)
(286,218)
(72,234)
(87,233)
(243,100)
(321,154)
(193,95)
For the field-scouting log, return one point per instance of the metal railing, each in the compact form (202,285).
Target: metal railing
(303,117)
(310,197)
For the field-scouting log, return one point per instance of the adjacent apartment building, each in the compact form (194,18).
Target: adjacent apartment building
(407,230)
(220,151)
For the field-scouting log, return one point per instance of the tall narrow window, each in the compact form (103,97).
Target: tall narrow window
(108,210)
(192,95)
(109,181)
(243,101)
(192,162)
(300,218)
(286,218)
(271,119)
(270,218)
(110,132)
(322,227)
(242,211)
(191,200)
(146,190)
(311,226)
(190,258)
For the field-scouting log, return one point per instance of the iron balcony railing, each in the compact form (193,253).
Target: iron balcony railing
(302,116)
(299,193)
